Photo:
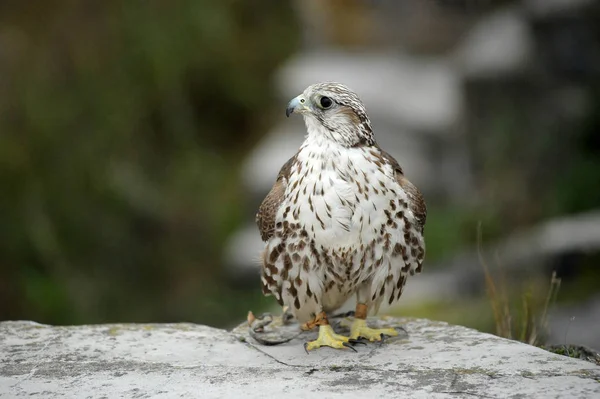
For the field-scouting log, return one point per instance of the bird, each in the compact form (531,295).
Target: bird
(341,220)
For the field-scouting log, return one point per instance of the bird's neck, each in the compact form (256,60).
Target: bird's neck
(345,134)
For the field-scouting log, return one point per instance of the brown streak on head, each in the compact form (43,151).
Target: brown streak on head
(350,114)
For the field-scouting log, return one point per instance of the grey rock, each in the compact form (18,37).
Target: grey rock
(498,45)
(242,245)
(187,360)
(547,8)
(262,164)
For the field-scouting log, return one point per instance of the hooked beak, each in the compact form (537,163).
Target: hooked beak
(296,105)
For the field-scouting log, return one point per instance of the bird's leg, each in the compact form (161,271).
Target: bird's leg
(359,328)
(327,337)
(309,325)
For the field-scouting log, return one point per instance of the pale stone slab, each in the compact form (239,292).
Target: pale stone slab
(433,360)
(499,45)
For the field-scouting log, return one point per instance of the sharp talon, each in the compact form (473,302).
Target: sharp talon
(287,318)
(401,329)
(305,345)
(360,329)
(356,341)
(382,338)
(347,345)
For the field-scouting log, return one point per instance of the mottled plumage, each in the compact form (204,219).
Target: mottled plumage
(341,218)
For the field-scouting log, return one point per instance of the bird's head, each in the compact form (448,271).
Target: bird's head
(333,111)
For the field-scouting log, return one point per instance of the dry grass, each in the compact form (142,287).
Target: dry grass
(532,326)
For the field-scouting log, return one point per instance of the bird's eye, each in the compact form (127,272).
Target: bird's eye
(325,102)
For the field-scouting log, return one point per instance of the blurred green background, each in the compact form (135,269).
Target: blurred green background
(121,129)
(124,127)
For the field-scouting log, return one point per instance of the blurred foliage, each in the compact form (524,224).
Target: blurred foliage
(577,184)
(512,309)
(121,131)
(575,351)
(461,221)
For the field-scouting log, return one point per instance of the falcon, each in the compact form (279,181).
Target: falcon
(341,220)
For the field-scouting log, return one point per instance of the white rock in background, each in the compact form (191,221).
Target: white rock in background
(544,8)
(263,162)
(242,252)
(499,44)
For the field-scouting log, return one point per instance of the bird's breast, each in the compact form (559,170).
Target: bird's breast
(330,193)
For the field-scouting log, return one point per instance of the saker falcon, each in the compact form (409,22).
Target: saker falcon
(340,220)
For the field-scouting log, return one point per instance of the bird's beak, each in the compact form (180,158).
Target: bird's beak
(297,104)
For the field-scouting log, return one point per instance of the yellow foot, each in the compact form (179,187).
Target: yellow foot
(328,337)
(360,329)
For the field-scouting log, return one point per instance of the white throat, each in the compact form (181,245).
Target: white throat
(344,134)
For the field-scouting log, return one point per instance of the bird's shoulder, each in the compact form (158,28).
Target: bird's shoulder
(416,200)
(267,211)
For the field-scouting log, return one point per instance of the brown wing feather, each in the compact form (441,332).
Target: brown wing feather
(265,218)
(417,202)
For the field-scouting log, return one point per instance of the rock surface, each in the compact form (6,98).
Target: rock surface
(432,360)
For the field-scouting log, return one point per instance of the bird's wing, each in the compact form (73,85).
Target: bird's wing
(265,218)
(417,202)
